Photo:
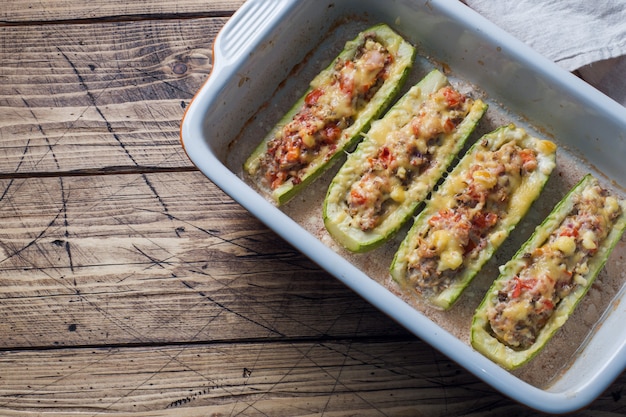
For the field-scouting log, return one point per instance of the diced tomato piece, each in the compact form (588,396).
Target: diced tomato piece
(331,132)
(517,289)
(569,231)
(293,153)
(453,97)
(441,216)
(347,86)
(278,179)
(312,98)
(451,220)
(357,197)
(385,156)
(527,155)
(346,79)
(484,221)
(529,160)
(448,126)
(520,285)
(416,126)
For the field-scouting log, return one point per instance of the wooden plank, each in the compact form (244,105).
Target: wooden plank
(308,378)
(152,258)
(99,96)
(16,11)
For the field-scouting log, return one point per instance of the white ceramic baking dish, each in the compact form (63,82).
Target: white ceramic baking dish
(263,60)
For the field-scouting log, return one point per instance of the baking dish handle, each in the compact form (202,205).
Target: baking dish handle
(245,29)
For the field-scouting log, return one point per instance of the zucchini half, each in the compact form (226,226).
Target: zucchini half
(549,234)
(345,134)
(469,216)
(398,203)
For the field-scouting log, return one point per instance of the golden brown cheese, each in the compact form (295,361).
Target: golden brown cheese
(553,270)
(460,228)
(406,153)
(328,109)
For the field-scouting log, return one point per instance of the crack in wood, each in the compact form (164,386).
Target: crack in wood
(111,130)
(6,189)
(121,18)
(94,103)
(27,145)
(153,260)
(157,196)
(45,137)
(227,309)
(16,252)
(64,199)
(195,395)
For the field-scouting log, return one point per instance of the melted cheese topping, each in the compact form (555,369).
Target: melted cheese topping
(553,270)
(406,151)
(328,109)
(465,213)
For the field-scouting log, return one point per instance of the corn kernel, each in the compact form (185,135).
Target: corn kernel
(398,194)
(440,239)
(611,205)
(546,146)
(565,244)
(485,178)
(308,140)
(588,240)
(450,259)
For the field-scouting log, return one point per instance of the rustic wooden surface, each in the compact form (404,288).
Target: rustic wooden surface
(131,285)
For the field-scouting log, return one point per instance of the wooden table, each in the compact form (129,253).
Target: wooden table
(131,285)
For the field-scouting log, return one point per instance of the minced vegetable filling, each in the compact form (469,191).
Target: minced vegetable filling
(460,229)
(406,153)
(327,110)
(552,271)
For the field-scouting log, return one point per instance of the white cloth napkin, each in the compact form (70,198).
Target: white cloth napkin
(588,36)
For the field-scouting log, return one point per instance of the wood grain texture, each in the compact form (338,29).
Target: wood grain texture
(154,294)
(15,12)
(330,378)
(130,285)
(155,258)
(100,96)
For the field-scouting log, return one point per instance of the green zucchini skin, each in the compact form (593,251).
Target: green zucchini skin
(403,56)
(482,337)
(519,202)
(337,219)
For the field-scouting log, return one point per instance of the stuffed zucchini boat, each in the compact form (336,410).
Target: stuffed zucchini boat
(539,288)
(399,162)
(340,103)
(472,213)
